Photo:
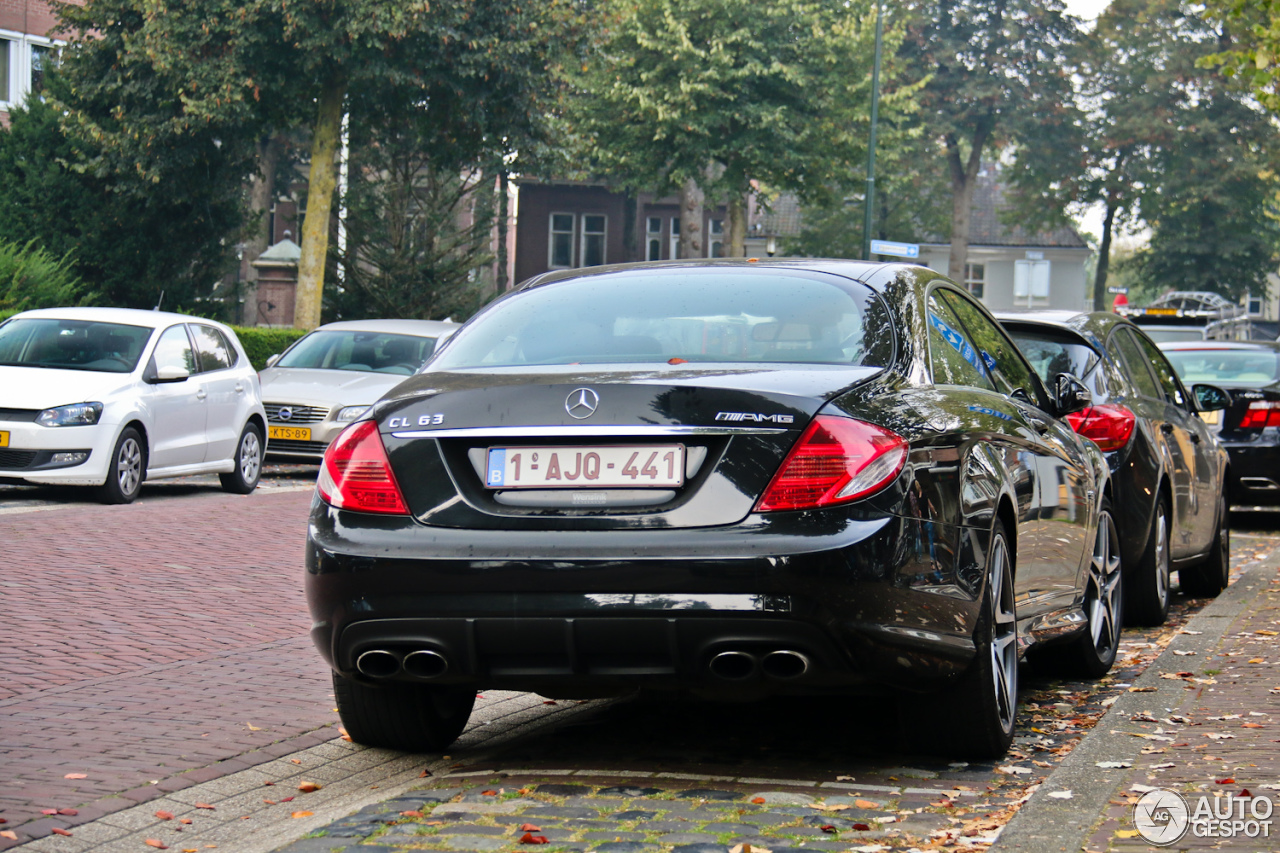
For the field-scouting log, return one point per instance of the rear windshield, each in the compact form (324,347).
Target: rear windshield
(700,316)
(72,344)
(1217,365)
(1052,353)
(371,352)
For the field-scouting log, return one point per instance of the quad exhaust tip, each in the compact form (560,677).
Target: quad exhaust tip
(733,666)
(425,663)
(378,663)
(785,664)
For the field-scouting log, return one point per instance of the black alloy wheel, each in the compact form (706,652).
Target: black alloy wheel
(248,462)
(1208,578)
(1148,587)
(128,469)
(400,715)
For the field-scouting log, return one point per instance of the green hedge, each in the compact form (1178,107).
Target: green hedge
(5,315)
(261,343)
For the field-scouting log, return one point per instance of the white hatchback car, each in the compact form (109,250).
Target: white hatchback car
(331,377)
(110,397)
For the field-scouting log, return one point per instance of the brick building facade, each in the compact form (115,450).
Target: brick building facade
(27,45)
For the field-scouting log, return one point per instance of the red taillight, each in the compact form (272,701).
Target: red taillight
(834,461)
(1260,415)
(1109,426)
(356,474)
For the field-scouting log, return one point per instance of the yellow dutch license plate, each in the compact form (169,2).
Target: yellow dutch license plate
(1210,417)
(289,433)
(4,438)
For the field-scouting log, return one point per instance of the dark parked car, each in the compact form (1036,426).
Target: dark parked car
(1167,468)
(724,477)
(1250,427)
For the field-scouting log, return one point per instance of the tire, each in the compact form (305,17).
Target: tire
(1207,579)
(127,471)
(1148,587)
(248,459)
(404,716)
(1092,653)
(981,708)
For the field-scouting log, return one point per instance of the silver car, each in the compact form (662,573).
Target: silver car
(330,377)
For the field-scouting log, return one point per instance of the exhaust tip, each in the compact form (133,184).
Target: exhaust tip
(378,663)
(733,666)
(425,663)
(785,663)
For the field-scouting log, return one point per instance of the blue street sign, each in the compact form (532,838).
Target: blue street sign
(901,250)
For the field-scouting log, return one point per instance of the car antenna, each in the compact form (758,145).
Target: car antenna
(159,301)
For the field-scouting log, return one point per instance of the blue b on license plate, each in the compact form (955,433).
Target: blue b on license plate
(606,467)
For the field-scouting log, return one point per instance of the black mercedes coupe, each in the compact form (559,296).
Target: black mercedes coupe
(728,478)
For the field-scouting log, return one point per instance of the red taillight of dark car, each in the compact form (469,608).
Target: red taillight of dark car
(1109,426)
(834,461)
(356,473)
(1261,414)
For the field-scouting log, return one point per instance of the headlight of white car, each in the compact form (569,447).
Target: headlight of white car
(350,413)
(74,414)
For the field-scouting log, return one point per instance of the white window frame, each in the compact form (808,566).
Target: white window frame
(582,234)
(674,238)
(551,239)
(20,45)
(970,279)
(1031,281)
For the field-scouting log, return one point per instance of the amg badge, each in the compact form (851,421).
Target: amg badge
(755,418)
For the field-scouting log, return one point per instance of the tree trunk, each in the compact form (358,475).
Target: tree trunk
(737,247)
(1104,258)
(261,190)
(692,244)
(964,176)
(503,214)
(325,140)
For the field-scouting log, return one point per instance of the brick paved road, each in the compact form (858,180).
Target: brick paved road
(164,641)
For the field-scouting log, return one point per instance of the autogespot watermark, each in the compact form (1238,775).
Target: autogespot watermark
(1163,817)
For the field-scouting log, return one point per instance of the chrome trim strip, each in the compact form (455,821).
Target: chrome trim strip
(584,431)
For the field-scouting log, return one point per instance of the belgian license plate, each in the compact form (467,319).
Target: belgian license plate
(585,467)
(289,433)
(4,438)
(1210,417)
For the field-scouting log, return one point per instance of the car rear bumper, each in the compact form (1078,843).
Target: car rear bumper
(721,610)
(1253,478)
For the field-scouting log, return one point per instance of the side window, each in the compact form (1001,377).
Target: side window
(999,353)
(1122,345)
(1163,370)
(215,352)
(952,357)
(174,350)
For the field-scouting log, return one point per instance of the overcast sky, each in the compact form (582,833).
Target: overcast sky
(1087,9)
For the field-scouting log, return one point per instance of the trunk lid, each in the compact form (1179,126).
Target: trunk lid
(699,444)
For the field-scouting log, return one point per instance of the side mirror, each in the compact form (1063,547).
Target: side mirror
(1070,394)
(172,373)
(272,359)
(1210,398)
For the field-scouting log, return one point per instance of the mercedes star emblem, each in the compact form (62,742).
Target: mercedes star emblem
(581,403)
(284,414)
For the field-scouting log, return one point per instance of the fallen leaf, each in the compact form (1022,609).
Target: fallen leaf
(1252,726)
(1142,690)
(1251,660)
(204,806)
(829,829)
(528,827)
(489,793)
(68,812)
(253,728)
(424,774)
(1126,833)
(411,813)
(1181,652)
(866,804)
(269,802)
(156,843)
(1227,781)
(308,787)
(268,783)
(1244,792)
(434,823)
(530,838)
(76,776)
(1218,736)
(302,814)
(758,800)
(823,807)
(861,827)
(185,821)
(57,830)
(295,761)
(344,735)
(522,791)
(287,800)
(1264,632)
(48,811)
(163,815)
(9,834)
(549,702)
